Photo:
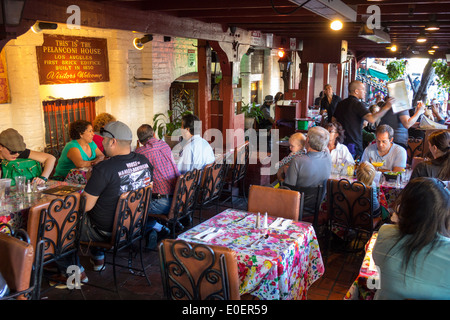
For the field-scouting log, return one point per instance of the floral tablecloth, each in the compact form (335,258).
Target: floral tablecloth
(78,176)
(359,289)
(281,267)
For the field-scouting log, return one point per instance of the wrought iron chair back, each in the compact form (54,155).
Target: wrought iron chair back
(198,272)
(317,193)
(129,227)
(350,207)
(238,170)
(54,230)
(131,217)
(241,160)
(184,198)
(211,186)
(16,263)
(56,223)
(415,148)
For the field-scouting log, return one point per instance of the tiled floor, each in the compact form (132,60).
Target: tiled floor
(340,271)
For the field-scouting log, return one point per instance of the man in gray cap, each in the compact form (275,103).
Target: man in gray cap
(13,147)
(122,172)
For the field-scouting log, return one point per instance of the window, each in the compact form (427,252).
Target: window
(58,114)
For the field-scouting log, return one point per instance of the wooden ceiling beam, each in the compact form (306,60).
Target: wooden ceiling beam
(193,5)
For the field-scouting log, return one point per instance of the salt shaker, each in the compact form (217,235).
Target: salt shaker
(258,219)
(265,226)
(29,187)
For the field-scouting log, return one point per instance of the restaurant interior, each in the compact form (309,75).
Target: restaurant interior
(149,62)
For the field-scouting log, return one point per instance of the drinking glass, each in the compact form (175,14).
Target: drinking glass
(5,185)
(20,184)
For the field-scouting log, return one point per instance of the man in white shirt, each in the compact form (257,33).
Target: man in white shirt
(196,152)
(385,150)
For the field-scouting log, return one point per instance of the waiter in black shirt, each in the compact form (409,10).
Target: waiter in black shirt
(351,113)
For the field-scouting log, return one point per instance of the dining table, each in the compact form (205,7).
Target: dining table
(279,262)
(365,284)
(15,206)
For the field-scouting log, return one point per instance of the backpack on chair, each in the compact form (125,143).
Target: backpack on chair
(20,167)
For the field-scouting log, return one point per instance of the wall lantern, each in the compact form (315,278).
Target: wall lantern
(285,64)
(10,15)
(139,42)
(11,12)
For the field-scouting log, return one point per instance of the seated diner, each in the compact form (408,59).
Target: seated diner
(385,151)
(13,147)
(81,152)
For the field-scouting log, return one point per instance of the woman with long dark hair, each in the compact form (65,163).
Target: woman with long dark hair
(413,256)
(439,167)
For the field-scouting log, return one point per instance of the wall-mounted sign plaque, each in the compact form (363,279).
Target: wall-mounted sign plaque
(68,59)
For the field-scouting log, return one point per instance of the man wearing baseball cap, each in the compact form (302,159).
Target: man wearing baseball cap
(122,172)
(12,147)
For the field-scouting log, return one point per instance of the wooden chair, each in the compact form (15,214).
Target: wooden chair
(415,149)
(184,199)
(128,228)
(54,231)
(16,264)
(211,186)
(198,272)
(350,208)
(276,202)
(238,171)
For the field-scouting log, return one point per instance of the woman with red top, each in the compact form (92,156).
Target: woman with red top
(100,121)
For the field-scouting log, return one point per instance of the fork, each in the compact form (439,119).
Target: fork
(207,234)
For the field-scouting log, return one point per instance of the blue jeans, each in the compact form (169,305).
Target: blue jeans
(158,206)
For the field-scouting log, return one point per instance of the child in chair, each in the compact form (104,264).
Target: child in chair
(366,175)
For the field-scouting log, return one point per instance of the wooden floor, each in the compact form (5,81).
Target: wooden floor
(340,271)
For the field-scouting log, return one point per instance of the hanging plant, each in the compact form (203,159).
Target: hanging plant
(396,69)
(442,70)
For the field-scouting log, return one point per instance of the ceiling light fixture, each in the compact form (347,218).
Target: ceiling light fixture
(336,25)
(432,25)
(393,48)
(422,37)
(139,42)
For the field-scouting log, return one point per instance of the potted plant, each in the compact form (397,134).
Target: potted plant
(252,113)
(166,125)
(396,69)
(442,70)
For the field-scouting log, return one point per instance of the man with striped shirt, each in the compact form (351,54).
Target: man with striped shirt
(165,174)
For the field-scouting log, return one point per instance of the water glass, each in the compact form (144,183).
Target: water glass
(5,186)
(20,184)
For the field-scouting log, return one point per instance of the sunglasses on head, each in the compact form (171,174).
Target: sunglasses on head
(10,151)
(103,131)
